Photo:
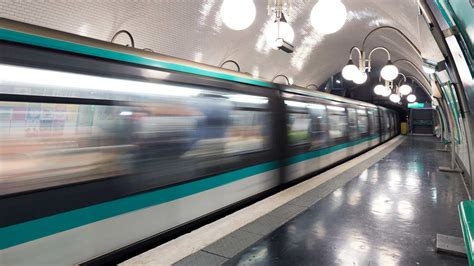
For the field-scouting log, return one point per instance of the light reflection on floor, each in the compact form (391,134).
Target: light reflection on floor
(389,215)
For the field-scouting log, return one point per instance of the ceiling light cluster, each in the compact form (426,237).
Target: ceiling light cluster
(327,17)
(358,73)
(395,93)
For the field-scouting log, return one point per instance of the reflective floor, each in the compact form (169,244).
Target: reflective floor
(389,215)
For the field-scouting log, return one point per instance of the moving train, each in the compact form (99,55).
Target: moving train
(105,148)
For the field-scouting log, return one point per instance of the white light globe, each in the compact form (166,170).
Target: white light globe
(411,98)
(405,89)
(394,98)
(386,92)
(360,78)
(328,16)
(350,71)
(389,72)
(379,89)
(238,14)
(286,33)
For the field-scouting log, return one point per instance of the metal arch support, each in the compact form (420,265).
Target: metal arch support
(414,66)
(132,41)
(281,75)
(413,78)
(230,61)
(396,30)
(312,85)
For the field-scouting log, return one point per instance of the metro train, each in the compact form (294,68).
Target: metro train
(104,148)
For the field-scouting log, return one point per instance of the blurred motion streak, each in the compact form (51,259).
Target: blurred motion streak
(168,135)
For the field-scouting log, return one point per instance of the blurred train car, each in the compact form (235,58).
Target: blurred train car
(104,149)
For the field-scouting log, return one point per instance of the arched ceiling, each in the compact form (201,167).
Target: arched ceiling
(193,30)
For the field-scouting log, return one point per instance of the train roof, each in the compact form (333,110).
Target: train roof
(332,97)
(53,39)
(44,37)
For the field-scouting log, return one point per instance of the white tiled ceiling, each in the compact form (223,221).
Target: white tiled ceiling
(193,30)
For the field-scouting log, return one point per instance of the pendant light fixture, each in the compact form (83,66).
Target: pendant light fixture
(238,14)
(328,16)
(358,74)
(405,89)
(280,29)
(360,78)
(395,98)
(386,92)
(379,88)
(411,98)
(389,71)
(280,35)
(350,71)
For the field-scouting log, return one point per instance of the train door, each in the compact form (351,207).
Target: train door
(363,127)
(352,120)
(390,124)
(373,126)
(387,125)
(338,130)
(381,124)
(307,131)
(393,124)
(353,135)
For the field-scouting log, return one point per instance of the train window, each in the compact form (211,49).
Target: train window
(363,121)
(298,128)
(352,118)
(373,122)
(388,120)
(246,132)
(337,122)
(392,122)
(318,124)
(377,122)
(182,134)
(42,82)
(48,144)
(299,122)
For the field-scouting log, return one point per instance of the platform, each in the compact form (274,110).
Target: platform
(385,209)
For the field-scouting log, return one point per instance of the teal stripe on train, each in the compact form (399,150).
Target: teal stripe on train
(20,233)
(35,40)
(322,152)
(27,231)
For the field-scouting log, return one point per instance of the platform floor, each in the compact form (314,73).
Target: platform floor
(388,215)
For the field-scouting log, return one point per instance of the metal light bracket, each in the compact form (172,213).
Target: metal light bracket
(365,64)
(132,41)
(230,61)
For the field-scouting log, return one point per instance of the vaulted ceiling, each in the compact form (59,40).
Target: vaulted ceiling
(193,30)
